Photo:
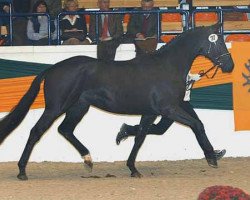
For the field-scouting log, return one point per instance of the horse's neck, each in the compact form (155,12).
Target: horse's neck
(186,53)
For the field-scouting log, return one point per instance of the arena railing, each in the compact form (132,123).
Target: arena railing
(24,15)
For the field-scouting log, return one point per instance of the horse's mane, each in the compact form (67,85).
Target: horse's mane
(176,39)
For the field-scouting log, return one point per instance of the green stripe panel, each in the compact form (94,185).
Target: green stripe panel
(14,69)
(212,97)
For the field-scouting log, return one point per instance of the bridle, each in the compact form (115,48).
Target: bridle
(212,39)
(202,73)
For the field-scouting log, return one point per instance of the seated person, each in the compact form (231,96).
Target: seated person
(20,23)
(55,7)
(37,27)
(141,27)
(4,9)
(73,27)
(110,31)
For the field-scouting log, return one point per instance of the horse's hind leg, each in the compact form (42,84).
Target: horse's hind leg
(73,116)
(155,129)
(145,123)
(45,121)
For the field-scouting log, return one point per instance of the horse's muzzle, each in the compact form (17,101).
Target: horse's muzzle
(226,63)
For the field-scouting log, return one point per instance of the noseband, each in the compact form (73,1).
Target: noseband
(202,73)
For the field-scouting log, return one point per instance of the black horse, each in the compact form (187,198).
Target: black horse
(151,85)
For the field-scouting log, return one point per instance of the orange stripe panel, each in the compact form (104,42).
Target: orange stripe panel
(12,90)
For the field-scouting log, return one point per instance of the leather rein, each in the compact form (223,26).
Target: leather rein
(204,73)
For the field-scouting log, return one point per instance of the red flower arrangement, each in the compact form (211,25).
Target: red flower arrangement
(223,193)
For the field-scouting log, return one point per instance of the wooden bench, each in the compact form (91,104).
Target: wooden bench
(170,22)
(207,3)
(165,26)
(228,25)
(126,3)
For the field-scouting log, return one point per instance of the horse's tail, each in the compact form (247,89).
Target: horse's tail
(15,117)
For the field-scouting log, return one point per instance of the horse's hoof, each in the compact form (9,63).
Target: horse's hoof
(122,135)
(212,162)
(136,175)
(88,162)
(219,153)
(88,166)
(22,177)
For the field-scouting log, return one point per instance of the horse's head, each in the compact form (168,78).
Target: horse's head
(215,48)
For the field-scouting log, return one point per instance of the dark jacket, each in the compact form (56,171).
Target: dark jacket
(80,24)
(114,26)
(21,6)
(135,25)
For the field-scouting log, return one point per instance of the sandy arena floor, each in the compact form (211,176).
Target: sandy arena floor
(169,180)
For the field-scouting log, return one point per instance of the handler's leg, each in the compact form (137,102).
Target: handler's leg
(145,123)
(67,127)
(155,129)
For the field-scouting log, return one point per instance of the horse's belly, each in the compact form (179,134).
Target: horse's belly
(115,101)
(131,108)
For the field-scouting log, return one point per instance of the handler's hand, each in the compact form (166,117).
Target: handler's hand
(195,77)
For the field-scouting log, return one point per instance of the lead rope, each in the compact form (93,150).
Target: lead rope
(190,83)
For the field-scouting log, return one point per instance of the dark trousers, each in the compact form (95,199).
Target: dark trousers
(106,50)
(19,34)
(20,31)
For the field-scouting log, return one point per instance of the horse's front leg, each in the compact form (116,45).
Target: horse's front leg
(145,123)
(183,116)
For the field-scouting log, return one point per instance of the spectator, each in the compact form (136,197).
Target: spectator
(37,28)
(74,28)
(21,6)
(19,34)
(143,29)
(110,31)
(55,7)
(4,9)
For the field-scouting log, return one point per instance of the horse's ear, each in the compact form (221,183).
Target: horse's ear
(217,27)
